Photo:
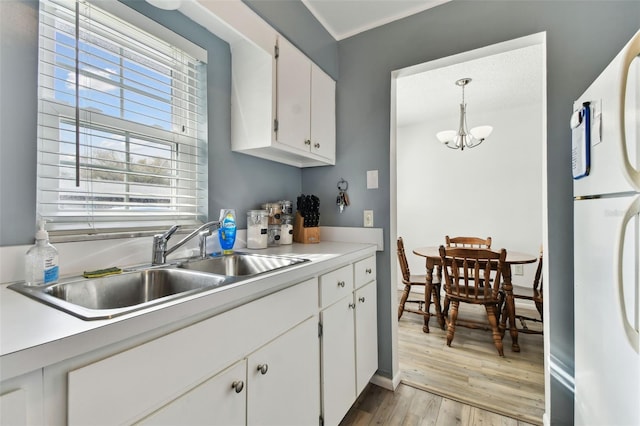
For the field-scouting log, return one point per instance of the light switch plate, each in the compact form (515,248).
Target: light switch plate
(368,218)
(372,179)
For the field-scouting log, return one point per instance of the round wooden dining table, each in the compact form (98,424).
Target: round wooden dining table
(432,256)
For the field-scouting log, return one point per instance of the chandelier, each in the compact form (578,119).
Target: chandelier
(464,138)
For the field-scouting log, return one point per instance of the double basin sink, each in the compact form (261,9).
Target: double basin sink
(113,295)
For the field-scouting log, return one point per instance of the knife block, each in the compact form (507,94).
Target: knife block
(304,235)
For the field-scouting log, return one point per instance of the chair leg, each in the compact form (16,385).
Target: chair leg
(445,309)
(503,318)
(451,327)
(501,298)
(497,336)
(539,308)
(403,300)
(436,302)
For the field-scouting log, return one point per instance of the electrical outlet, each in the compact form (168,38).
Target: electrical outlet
(368,218)
(518,270)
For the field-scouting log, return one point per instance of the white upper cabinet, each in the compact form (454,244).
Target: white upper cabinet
(282,108)
(305,105)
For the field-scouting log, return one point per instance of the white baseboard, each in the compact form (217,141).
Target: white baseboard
(385,382)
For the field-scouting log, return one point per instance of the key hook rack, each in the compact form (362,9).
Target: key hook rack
(343,185)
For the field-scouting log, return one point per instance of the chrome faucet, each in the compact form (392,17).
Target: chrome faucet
(160,250)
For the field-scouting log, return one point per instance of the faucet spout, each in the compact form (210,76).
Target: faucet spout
(160,241)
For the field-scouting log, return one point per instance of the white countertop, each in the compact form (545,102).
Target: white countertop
(34,335)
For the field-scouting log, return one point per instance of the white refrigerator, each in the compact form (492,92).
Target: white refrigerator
(606,170)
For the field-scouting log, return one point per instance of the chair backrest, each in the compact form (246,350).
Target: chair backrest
(472,274)
(537,280)
(469,242)
(402,258)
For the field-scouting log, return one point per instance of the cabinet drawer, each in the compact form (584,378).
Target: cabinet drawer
(336,285)
(365,271)
(141,379)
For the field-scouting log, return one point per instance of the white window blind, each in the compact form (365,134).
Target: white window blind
(122,128)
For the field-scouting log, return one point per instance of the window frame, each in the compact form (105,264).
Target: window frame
(194,144)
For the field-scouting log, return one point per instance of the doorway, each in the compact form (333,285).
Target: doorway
(495,189)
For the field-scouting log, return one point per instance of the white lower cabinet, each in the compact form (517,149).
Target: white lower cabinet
(272,386)
(282,379)
(366,335)
(182,367)
(349,342)
(221,400)
(21,400)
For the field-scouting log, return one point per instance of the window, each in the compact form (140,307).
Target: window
(122,129)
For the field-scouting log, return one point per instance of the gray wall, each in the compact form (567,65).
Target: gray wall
(293,20)
(582,37)
(235,180)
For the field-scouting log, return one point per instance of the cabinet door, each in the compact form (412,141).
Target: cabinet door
(293,96)
(21,400)
(283,379)
(338,360)
(366,335)
(323,114)
(221,400)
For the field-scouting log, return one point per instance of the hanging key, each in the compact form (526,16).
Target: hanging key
(340,202)
(345,198)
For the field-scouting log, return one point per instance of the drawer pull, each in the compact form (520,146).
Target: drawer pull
(368,270)
(307,142)
(263,368)
(341,284)
(238,385)
(361,299)
(352,305)
(316,145)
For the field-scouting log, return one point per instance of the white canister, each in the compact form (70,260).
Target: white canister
(257,229)
(286,229)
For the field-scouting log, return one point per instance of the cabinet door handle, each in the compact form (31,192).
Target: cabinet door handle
(307,142)
(352,305)
(368,270)
(238,385)
(263,368)
(316,145)
(341,284)
(361,299)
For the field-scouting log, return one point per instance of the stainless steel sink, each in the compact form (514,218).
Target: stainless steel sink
(241,264)
(114,295)
(110,296)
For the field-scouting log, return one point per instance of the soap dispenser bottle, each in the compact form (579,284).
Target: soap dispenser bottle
(41,262)
(227,231)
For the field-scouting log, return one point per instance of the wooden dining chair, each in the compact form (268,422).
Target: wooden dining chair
(458,265)
(409,281)
(468,242)
(531,292)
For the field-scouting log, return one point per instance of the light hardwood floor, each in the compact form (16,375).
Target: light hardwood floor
(409,406)
(465,384)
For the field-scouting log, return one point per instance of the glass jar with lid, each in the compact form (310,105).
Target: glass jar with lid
(257,229)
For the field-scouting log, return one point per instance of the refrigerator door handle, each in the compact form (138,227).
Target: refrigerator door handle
(631,332)
(631,53)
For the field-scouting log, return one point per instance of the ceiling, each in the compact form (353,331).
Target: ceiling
(345,18)
(501,81)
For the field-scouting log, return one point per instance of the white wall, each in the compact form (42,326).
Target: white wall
(492,190)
